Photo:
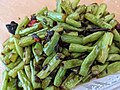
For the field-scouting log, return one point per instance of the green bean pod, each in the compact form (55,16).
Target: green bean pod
(22,24)
(13,72)
(13,55)
(116,35)
(92,37)
(19,49)
(108,18)
(101,9)
(29,30)
(59,76)
(42,11)
(49,47)
(113,57)
(81,9)
(71,63)
(26,41)
(25,82)
(75,3)
(97,69)
(88,61)
(27,72)
(51,66)
(34,84)
(5,80)
(58,17)
(71,81)
(79,48)
(66,7)
(71,39)
(46,82)
(114,49)
(113,67)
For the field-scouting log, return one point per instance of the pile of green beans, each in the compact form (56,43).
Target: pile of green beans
(63,48)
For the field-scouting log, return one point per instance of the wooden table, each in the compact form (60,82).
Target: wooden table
(14,9)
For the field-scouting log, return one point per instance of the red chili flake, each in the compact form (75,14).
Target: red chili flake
(32,22)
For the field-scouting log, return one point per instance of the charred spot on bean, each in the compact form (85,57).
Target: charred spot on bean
(12,27)
(37,79)
(45,67)
(49,35)
(33,17)
(57,48)
(45,21)
(37,68)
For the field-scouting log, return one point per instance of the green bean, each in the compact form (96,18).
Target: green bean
(69,27)
(27,72)
(12,84)
(65,51)
(116,35)
(51,66)
(108,18)
(92,37)
(92,18)
(72,33)
(40,32)
(88,61)
(6,59)
(45,21)
(59,76)
(94,8)
(42,11)
(75,3)
(58,17)
(46,82)
(117,44)
(11,45)
(114,49)
(104,47)
(29,30)
(19,84)
(113,23)
(66,7)
(58,6)
(101,10)
(13,64)
(76,55)
(87,78)
(81,9)
(27,55)
(113,57)
(79,48)
(37,51)
(113,67)
(19,49)
(71,39)
(74,16)
(13,72)
(13,55)
(49,47)
(34,84)
(22,24)
(5,80)
(25,82)
(26,41)
(5,50)
(97,69)
(57,28)
(102,74)
(51,88)
(71,63)
(48,59)
(71,81)
(73,23)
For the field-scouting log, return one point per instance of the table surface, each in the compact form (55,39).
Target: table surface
(15,9)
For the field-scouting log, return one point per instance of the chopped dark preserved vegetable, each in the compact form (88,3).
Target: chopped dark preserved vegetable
(12,27)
